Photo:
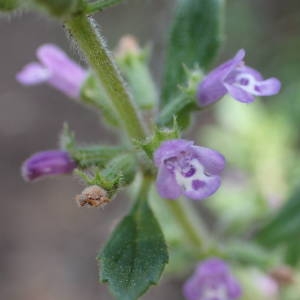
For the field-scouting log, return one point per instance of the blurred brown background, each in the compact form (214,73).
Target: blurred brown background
(48,245)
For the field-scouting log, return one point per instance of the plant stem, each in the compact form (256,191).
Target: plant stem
(84,32)
(100,5)
(189,222)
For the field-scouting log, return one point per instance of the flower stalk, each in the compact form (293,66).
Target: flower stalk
(189,222)
(83,30)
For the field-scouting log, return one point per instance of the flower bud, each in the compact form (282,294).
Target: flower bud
(47,163)
(133,62)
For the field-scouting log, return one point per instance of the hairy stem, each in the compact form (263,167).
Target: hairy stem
(84,32)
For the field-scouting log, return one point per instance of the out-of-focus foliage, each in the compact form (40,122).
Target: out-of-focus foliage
(194,39)
(258,145)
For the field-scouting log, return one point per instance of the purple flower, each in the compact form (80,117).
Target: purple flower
(184,168)
(212,280)
(55,68)
(235,78)
(45,163)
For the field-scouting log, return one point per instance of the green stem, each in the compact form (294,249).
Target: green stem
(100,5)
(189,222)
(84,32)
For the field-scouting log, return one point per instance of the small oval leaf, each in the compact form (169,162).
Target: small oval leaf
(136,254)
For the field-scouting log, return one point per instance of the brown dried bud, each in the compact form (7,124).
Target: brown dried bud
(283,275)
(93,196)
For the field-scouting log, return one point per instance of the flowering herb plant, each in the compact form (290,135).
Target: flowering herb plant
(168,173)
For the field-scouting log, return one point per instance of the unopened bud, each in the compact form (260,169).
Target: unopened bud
(133,62)
(127,44)
(92,196)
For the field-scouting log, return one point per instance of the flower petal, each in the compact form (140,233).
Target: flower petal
(268,87)
(239,94)
(170,149)
(166,184)
(33,73)
(211,266)
(212,161)
(67,75)
(54,58)
(251,71)
(251,82)
(234,288)
(201,189)
(211,88)
(212,280)
(192,290)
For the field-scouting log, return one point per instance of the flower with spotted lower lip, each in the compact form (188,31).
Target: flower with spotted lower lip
(184,168)
(212,280)
(240,81)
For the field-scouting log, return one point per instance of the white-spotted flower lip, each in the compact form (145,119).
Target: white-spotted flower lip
(186,169)
(235,78)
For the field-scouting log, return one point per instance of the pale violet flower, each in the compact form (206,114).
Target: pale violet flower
(47,163)
(56,69)
(212,280)
(238,80)
(184,168)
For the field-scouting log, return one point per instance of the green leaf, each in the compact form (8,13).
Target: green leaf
(135,256)
(285,226)
(9,5)
(292,255)
(195,38)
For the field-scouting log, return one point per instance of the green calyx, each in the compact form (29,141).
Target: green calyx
(91,155)
(160,135)
(133,62)
(117,173)
(184,102)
